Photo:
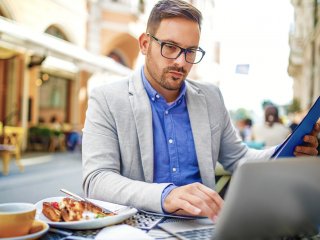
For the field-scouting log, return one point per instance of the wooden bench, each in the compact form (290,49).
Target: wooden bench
(225,177)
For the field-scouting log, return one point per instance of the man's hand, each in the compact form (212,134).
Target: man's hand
(194,199)
(311,143)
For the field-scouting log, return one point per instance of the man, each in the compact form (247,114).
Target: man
(153,139)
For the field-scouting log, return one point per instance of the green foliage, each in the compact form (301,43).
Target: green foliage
(266,103)
(240,114)
(43,132)
(294,106)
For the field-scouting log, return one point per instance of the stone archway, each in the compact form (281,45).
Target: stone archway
(123,48)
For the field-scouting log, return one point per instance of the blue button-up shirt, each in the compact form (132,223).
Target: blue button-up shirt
(175,159)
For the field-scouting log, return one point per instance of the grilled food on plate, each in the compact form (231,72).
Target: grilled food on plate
(71,210)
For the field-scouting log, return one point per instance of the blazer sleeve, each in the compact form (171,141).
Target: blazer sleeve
(102,163)
(233,152)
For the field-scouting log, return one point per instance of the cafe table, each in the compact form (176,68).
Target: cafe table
(59,233)
(155,233)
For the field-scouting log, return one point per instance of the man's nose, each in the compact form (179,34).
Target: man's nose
(181,60)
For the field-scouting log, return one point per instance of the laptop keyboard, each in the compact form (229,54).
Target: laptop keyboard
(199,234)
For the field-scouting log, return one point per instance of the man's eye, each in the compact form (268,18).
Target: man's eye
(171,47)
(191,51)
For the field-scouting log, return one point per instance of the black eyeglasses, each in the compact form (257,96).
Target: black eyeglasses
(173,51)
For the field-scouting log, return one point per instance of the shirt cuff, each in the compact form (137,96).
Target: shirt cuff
(276,150)
(165,193)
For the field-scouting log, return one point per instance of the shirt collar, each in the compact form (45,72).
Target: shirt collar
(152,93)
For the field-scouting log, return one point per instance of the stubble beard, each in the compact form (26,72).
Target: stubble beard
(163,80)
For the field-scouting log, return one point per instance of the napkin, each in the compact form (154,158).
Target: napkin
(122,232)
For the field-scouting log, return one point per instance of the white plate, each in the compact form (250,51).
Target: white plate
(36,235)
(87,224)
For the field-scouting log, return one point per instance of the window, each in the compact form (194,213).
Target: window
(56,32)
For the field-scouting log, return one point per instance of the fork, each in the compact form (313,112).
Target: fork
(75,238)
(77,197)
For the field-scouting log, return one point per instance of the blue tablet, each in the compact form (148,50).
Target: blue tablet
(305,127)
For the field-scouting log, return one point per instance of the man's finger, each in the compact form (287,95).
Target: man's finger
(187,207)
(311,140)
(302,151)
(212,194)
(183,213)
(203,201)
(316,129)
(198,200)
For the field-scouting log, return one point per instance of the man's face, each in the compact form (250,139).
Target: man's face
(164,73)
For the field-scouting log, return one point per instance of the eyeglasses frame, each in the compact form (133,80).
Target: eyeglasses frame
(182,50)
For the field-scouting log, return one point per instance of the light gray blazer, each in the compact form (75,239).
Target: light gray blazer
(118,141)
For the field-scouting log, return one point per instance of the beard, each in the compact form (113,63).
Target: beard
(163,78)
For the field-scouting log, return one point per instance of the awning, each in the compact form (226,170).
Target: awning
(21,39)
(6,53)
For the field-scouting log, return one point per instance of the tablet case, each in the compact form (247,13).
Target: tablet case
(305,127)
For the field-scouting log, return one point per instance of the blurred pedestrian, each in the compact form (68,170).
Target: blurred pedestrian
(54,124)
(57,139)
(246,133)
(74,138)
(272,132)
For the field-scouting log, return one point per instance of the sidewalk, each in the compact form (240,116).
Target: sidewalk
(43,176)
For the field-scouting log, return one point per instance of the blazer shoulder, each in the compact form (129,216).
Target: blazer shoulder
(113,87)
(205,88)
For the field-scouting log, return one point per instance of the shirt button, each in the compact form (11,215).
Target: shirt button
(152,99)
(157,96)
(170,141)
(166,112)
(174,169)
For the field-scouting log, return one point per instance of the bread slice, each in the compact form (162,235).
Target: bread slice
(51,212)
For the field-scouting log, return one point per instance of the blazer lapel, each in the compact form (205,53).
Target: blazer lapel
(143,119)
(200,125)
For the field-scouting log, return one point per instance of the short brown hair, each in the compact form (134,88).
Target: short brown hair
(170,9)
(271,115)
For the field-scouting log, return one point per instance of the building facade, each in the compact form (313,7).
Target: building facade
(53,52)
(111,29)
(304,59)
(44,62)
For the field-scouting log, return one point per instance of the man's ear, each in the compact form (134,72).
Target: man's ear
(144,43)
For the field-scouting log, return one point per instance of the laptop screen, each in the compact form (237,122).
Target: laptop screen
(272,199)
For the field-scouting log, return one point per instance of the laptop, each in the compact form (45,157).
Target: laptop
(271,199)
